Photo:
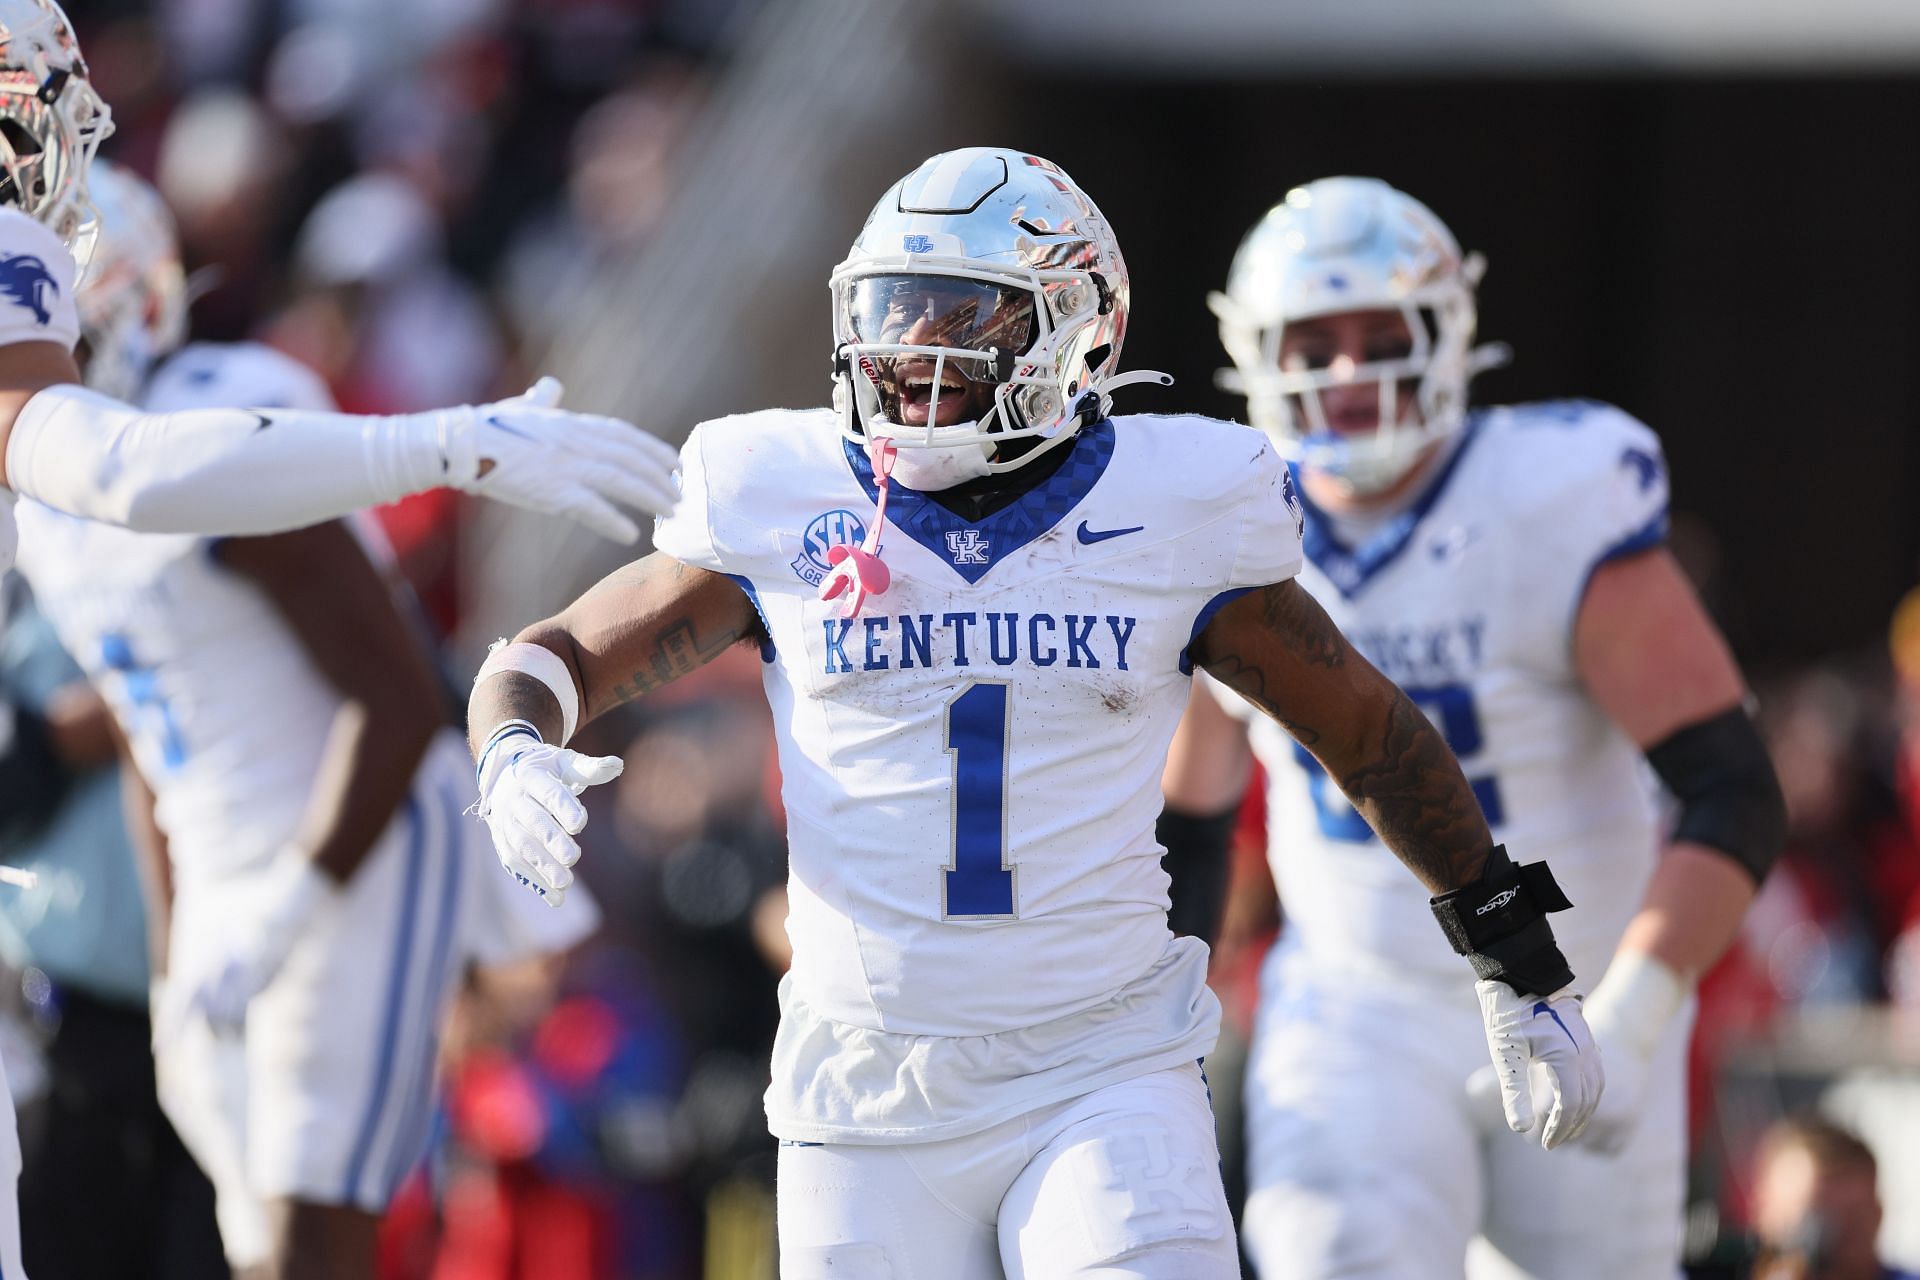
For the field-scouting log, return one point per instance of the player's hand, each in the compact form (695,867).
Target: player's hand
(531,453)
(1618,1114)
(529,798)
(256,944)
(1629,1013)
(1541,1042)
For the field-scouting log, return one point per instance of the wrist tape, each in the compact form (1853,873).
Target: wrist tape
(544,665)
(1499,923)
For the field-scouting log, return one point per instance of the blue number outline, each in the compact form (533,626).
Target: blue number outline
(974,821)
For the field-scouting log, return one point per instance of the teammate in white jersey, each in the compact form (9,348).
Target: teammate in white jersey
(1507,568)
(221,470)
(285,717)
(979,599)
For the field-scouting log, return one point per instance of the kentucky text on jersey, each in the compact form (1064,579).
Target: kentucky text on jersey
(1430,654)
(906,641)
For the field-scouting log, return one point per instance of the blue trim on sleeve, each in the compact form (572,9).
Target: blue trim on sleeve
(1351,568)
(745,583)
(1645,538)
(1006,530)
(1200,622)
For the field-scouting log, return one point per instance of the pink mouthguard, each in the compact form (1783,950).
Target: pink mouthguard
(858,572)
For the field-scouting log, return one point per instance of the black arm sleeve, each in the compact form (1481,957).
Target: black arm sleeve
(1197,861)
(1730,799)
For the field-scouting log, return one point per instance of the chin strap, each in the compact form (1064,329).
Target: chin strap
(859,572)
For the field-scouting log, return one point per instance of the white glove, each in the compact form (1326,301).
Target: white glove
(529,452)
(1629,1012)
(528,798)
(1541,1042)
(257,944)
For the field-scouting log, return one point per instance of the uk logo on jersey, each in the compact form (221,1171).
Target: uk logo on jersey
(966,546)
(26,280)
(1645,466)
(828,529)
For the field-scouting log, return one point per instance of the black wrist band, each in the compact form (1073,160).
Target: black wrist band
(1499,923)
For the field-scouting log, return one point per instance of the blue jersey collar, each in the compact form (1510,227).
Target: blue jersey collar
(971,547)
(1351,568)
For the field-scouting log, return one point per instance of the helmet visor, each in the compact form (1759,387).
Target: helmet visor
(941,311)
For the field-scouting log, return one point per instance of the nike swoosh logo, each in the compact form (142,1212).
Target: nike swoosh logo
(264,420)
(1088,537)
(512,431)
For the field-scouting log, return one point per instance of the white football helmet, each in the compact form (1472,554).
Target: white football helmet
(1353,244)
(51,120)
(133,301)
(987,272)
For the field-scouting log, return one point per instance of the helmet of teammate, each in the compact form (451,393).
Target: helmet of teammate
(133,301)
(1344,245)
(978,320)
(51,120)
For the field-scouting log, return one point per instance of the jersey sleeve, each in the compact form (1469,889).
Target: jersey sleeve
(1264,521)
(687,532)
(1598,494)
(1273,522)
(36,284)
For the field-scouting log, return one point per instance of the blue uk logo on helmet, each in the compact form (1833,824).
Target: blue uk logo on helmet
(26,280)
(916,244)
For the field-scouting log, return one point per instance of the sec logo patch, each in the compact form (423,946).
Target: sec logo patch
(828,529)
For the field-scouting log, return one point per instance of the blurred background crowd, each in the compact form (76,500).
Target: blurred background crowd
(430,201)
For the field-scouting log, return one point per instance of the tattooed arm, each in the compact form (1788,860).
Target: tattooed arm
(634,631)
(639,628)
(1279,650)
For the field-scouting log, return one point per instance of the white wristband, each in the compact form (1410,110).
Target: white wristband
(544,665)
(1635,1000)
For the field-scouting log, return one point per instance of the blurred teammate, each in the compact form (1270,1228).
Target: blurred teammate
(986,1059)
(220,470)
(289,726)
(1507,568)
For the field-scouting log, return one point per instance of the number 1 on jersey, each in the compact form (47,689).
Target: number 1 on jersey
(978,883)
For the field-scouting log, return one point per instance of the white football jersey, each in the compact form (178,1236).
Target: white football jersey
(1467,600)
(971,767)
(36,305)
(226,716)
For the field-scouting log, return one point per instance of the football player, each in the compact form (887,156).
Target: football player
(979,599)
(287,723)
(1507,567)
(226,470)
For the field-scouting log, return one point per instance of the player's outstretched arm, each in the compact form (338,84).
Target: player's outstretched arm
(639,628)
(241,471)
(1651,658)
(1278,648)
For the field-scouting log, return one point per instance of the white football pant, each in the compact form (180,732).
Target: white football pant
(1367,1160)
(1121,1183)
